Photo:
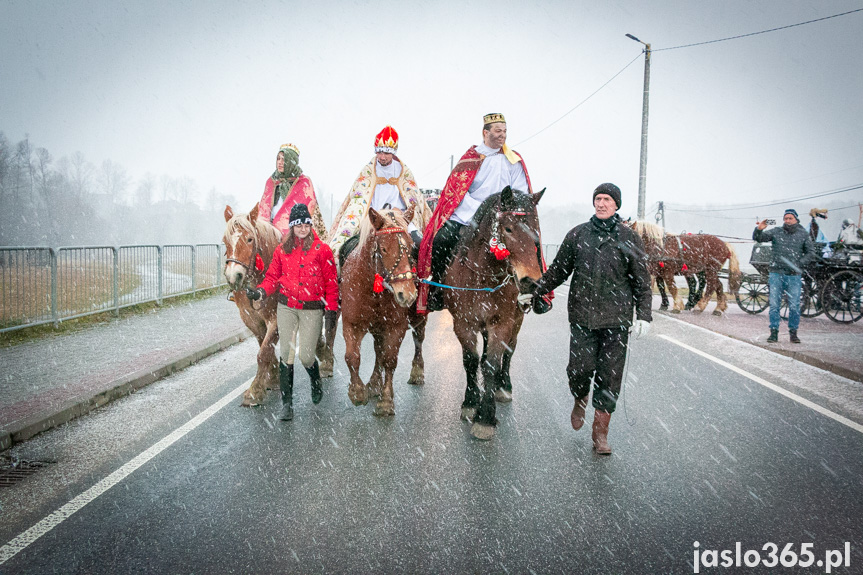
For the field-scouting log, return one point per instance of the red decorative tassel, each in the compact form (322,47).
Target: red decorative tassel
(259,263)
(501,254)
(379,284)
(684,268)
(662,264)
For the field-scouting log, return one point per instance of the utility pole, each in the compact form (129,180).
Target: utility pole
(642,171)
(660,214)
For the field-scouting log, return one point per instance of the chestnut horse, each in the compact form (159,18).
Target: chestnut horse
(482,298)
(670,255)
(249,246)
(378,289)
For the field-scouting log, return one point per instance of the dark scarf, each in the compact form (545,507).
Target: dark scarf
(789,228)
(606,225)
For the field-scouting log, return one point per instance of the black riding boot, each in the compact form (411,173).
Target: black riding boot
(442,251)
(774,336)
(792,333)
(286,386)
(315,376)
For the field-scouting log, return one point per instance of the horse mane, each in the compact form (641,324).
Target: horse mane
(266,235)
(367,229)
(648,230)
(520,201)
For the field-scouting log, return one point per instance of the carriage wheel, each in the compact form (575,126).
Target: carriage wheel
(810,302)
(753,296)
(810,298)
(842,297)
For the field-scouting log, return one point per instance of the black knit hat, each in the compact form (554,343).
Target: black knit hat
(300,215)
(609,189)
(793,212)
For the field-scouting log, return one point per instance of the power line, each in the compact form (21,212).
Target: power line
(566,114)
(580,103)
(757,33)
(774,203)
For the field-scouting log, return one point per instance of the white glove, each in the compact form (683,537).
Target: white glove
(525,298)
(640,328)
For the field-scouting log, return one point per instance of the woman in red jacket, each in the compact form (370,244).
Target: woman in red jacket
(304,273)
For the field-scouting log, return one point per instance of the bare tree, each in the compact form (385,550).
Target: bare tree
(80,175)
(187,189)
(113,180)
(146,188)
(167,187)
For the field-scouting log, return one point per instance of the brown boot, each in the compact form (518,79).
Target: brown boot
(792,333)
(600,432)
(577,416)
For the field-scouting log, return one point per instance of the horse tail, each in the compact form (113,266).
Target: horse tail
(734,275)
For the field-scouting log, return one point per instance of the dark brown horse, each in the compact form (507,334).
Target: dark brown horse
(378,289)
(485,299)
(670,255)
(249,246)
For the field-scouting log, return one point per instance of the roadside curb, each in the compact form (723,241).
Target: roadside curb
(26,428)
(793,354)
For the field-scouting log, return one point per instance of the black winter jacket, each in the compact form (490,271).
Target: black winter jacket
(791,250)
(609,275)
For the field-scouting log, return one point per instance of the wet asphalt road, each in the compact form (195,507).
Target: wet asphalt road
(700,454)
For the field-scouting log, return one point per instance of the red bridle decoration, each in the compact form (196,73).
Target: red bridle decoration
(259,263)
(498,248)
(378,287)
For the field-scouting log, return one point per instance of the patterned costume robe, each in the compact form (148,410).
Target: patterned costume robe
(356,204)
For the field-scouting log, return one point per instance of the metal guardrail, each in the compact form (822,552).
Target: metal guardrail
(48,285)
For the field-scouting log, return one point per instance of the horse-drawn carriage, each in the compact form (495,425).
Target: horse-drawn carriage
(832,284)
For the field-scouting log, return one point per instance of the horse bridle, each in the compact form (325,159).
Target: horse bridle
(389,275)
(250,266)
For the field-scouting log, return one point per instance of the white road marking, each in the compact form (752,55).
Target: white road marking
(26,538)
(802,401)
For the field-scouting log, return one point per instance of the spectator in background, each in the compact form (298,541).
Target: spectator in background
(792,250)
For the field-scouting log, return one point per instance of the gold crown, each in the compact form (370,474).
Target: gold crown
(492,118)
(286,147)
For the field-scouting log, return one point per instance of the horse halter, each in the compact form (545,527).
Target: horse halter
(495,245)
(389,275)
(256,260)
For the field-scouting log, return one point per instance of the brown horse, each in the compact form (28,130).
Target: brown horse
(670,255)
(249,246)
(483,295)
(381,261)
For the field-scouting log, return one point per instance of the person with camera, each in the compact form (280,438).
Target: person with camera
(792,250)
(304,273)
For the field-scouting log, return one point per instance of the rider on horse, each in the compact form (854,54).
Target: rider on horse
(287,187)
(483,170)
(385,180)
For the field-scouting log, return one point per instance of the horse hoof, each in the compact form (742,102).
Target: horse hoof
(663,308)
(358,396)
(325,371)
(384,409)
(717,312)
(482,431)
(468,413)
(416,381)
(696,310)
(502,396)
(675,311)
(250,402)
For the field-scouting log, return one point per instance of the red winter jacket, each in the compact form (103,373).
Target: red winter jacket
(306,279)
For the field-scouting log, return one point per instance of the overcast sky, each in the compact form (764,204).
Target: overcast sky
(211,89)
